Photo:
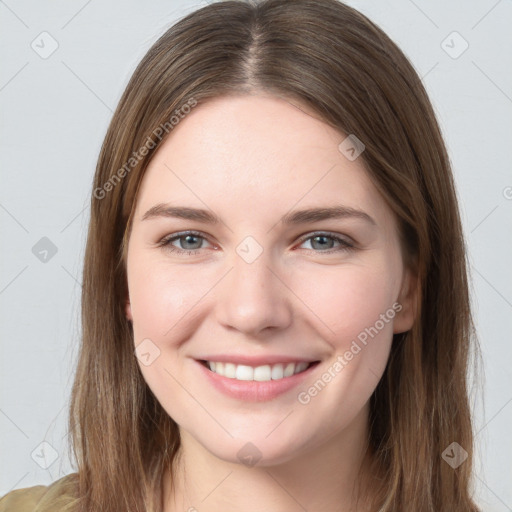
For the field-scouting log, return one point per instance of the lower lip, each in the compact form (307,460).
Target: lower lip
(252,390)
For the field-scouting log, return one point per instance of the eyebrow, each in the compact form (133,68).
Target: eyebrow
(309,215)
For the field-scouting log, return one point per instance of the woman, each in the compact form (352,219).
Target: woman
(275,301)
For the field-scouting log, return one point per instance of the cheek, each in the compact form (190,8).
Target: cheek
(357,306)
(162,297)
(346,301)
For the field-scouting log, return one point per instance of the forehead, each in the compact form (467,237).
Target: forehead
(257,154)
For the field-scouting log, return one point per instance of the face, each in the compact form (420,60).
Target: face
(253,286)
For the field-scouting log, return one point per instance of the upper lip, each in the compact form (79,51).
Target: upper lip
(255,360)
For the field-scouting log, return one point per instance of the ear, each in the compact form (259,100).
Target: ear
(406,315)
(128,310)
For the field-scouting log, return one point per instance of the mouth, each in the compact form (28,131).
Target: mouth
(255,383)
(262,373)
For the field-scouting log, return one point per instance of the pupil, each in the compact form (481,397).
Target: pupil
(322,244)
(187,240)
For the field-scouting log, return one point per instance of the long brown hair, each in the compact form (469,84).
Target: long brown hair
(332,59)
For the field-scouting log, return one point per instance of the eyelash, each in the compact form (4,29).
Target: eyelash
(166,242)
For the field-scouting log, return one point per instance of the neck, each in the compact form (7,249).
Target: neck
(322,478)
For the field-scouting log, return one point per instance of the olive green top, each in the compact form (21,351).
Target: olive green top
(57,497)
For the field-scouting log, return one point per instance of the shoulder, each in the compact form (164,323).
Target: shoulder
(60,496)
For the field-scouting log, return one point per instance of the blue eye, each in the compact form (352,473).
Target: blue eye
(324,241)
(192,241)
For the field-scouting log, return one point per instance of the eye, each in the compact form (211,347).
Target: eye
(326,243)
(192,241)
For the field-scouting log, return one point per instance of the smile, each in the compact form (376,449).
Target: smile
(262,373)
(255,383)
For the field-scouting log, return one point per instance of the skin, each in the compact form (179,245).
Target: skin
(250,160)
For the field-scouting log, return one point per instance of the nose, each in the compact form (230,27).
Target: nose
(253,298)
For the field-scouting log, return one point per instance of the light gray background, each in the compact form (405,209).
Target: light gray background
(55,112)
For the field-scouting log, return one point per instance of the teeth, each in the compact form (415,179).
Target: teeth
(277,372)
(242,372)
(263,373)
(230,370)
(288,369)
